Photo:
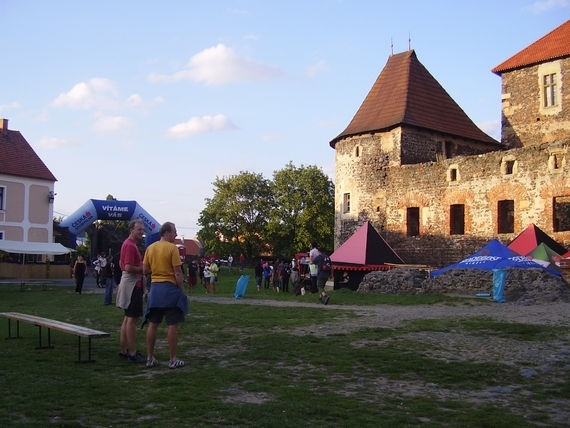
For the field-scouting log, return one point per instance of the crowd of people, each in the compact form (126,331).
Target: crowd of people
(159,279)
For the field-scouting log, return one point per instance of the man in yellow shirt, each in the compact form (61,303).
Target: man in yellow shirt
(166,298)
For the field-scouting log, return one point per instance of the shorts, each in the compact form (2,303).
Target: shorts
(192,280)
(321,284)
(135,309)
(173,316)
(212,279)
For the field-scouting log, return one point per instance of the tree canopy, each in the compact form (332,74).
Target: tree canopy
(252,215)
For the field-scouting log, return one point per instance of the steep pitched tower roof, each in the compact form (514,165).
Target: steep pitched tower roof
(18,157)
(554,45)
(405,93)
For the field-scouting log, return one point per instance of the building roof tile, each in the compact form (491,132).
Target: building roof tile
(18,158)
(405,93)
(554,45)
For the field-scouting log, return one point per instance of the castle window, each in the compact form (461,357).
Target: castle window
(556,161)
(561,214)
(448,149)
(457,219)
(550,97)
(506,216)
(413,221)
(453,174)
(508,165)
(346,203)
(357,151)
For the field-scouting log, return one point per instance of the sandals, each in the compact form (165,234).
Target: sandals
(151,362)
(175,364)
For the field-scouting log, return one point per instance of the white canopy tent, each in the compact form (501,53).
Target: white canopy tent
(33,247)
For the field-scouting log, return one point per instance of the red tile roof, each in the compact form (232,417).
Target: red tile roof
(18,158)
(405,93)
(554,45)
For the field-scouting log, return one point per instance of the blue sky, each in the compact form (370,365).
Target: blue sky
(151,101)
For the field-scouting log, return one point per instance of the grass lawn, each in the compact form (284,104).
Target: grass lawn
(248,366)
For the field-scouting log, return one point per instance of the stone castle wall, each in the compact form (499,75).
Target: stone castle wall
(525,122)
(381,192)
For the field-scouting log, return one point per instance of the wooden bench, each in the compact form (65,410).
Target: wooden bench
(24,282)
(55,325)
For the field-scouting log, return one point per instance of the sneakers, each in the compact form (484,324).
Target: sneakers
(326,300)
(174,364)
(137,358)
(123,357)
(151,363)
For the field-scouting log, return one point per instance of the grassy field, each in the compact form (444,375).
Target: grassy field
(248,366)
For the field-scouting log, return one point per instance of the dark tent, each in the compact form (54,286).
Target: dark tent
(532,237)
(365,251)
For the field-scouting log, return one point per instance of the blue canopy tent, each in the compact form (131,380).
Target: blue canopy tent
(494,255)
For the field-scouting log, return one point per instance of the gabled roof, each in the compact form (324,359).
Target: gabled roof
(405,93)
(365,247)
(530,238)
(554,45)
(18,158)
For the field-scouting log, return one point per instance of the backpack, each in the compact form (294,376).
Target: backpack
(327,264)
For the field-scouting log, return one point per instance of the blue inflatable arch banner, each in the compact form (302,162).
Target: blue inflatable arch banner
(94,209)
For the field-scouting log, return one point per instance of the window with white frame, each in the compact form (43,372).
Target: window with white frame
(550,95)
(2,198)
(346,203)
(549,87)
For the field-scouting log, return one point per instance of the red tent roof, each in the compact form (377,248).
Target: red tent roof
(532,237)
(365,247)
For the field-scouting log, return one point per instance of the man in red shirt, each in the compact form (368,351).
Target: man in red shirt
(130,292)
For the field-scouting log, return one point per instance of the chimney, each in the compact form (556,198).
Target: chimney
(3,126)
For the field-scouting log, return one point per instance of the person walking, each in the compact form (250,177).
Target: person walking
(324,268)
(214,273)
(258,274)
(166,298)
(130,292)
(107,273)
(79,272)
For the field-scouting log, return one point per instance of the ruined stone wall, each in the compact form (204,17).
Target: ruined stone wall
(525,121)
(418,146)
(381,192)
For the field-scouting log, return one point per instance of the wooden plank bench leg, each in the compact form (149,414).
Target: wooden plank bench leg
(10,329)
(89,360)
(49,339)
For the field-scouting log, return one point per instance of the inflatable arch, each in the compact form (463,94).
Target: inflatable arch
(95,209)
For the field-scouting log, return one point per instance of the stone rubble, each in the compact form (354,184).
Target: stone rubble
(522,286)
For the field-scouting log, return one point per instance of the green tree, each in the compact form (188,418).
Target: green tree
(234,220)
(303,210)
(251,215)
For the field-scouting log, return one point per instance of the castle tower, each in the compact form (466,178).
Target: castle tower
(535,91)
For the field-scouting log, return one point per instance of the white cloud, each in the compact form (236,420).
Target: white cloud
(491,128)
(313,70)
(97,92)
(219,65)
(544,5)
(10,106)
(200,125)
(101,94)
(54,143)
(136,100)
(111,123)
